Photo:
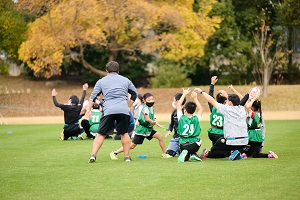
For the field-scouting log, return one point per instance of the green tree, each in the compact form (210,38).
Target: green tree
(289,16)
(12,29)
(170,74)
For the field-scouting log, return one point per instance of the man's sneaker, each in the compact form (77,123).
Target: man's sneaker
(244,156)
(272,155)
(113,156)
(204,154)
(195,157)
(127,159)
(182,156)
(92,159)
(235,155)
(165,155)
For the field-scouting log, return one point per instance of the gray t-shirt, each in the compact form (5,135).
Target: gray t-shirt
(114,89)
(235,125)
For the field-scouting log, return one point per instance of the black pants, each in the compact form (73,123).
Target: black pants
(86,126)
(71,130)
(254,150)
(221,150)
(214,137)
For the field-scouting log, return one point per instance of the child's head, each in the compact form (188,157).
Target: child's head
(256,106)
(220,98)
(138,100)
(148,99)
(74,100)
(176,99)
(96,106)
(234,99)
(190,107)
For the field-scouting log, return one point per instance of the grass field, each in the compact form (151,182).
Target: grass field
(36,165)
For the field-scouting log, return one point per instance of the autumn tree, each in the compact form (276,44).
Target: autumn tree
(149,27)
(12,29)
(269,50)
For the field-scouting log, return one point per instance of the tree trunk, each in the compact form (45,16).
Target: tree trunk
(265,81)
(79,59)
(290,54)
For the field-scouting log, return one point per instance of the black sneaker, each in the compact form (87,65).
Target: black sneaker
(92,159)
(127,159)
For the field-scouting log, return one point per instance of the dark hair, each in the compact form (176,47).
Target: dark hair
(257,107)
(112,66)
(234,99)
(74,99)
(220,99)
(96,106)
(146,95)
(178,96)
(190,107)
(140,97)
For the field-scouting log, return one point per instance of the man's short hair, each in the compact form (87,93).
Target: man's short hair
(112,66)
(234,99)
(190,107)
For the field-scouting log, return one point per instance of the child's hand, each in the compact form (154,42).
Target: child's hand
(223,93)
(54,93)
(168,133)
(85,86)
(157,124)
(194,95)
(185,91)
(213,80)
(231,87)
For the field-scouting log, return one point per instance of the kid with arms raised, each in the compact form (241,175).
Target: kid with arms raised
(189,127)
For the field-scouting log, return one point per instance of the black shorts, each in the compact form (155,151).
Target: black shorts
(120,122)
(139,139)
(191,147)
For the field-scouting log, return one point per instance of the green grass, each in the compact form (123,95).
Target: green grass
(36,165)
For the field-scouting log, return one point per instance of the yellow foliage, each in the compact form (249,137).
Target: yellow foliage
(169,28)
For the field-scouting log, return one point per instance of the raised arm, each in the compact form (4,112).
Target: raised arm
(200,109)
(235,91)
(179,103)
(208,98)
(213,81)
(249,103)
(84,88)
(54,93)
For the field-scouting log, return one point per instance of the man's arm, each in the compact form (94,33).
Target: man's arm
(207,97)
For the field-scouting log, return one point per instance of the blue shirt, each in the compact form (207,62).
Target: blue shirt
(114,89)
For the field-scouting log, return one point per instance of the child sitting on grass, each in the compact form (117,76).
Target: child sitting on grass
(189,127)
(255,132)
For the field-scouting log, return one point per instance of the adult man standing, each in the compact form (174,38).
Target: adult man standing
(115,89)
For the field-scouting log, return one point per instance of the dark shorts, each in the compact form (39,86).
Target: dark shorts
(139,139)
(118,121)
(191,147)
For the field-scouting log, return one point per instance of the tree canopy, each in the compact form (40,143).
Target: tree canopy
(166,29)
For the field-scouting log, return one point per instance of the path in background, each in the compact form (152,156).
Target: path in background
(161,117)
